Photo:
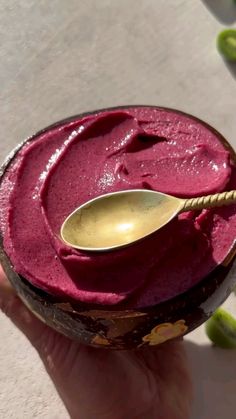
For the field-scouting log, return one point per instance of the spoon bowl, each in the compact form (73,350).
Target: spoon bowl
(118,219)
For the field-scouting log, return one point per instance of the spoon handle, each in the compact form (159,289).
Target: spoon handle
(209,201)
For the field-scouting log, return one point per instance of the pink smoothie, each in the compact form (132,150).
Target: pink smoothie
(110,151)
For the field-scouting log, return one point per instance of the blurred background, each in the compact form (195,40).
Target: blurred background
(59,58)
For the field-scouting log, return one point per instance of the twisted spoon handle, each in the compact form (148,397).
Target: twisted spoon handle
(216,200)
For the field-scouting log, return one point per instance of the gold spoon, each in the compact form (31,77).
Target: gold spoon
(119,219)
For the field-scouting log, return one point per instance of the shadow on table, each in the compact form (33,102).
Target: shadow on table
(224,10)
(232,68)
(214,372)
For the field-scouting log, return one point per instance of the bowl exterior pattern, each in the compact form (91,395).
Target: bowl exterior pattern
(126,329)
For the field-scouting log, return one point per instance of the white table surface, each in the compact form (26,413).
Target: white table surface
(58,58)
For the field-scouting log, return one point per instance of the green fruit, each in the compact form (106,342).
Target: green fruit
(221,329)
(226,43)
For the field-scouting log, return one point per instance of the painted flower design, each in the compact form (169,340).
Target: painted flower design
(99,340)
(165,331)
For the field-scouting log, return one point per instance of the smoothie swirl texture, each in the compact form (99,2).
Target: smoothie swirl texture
(108,151)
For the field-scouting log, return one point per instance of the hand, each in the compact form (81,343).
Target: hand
(149,383)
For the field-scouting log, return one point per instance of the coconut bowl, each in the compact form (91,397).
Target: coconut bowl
(114,328)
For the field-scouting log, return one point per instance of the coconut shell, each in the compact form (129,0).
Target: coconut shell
(125,329)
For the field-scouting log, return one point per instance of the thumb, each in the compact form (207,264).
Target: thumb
(19,314)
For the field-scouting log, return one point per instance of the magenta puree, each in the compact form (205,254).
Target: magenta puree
(109,151)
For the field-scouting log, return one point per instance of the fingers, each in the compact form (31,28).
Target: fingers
(18,313)
(5,286)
